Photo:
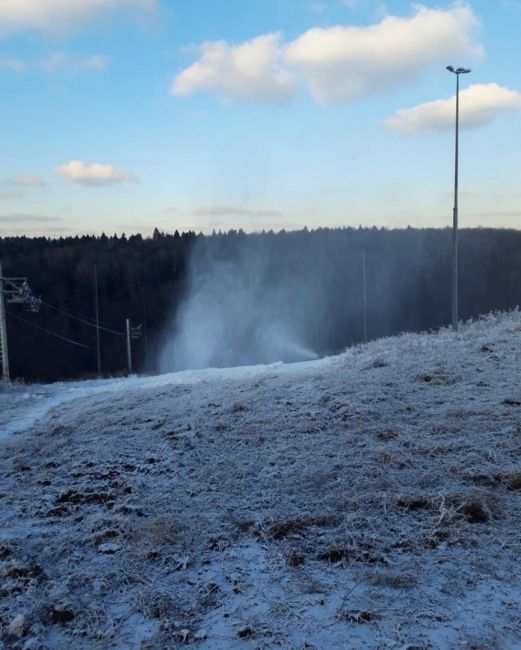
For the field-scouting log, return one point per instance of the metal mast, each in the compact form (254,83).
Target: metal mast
(455,301)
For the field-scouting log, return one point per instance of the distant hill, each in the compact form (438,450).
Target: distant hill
(146,280)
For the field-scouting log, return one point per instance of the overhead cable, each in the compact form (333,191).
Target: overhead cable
(58,336)
(82,319)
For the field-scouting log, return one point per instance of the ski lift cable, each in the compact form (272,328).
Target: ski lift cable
(81,319)
(71,313)
(58,336)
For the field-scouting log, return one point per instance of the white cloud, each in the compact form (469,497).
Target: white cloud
(56,15)
(479,105)
(232,210)
(26,218)
(73,63)
(252,71)
(18,187)
(12,63)
(343,63)
(339,64)
(24,181)
(94,174)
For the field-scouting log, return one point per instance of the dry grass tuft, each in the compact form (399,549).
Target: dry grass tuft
(286,528)
(513,481)
(296,559)
(393,580)
(358,616)
(238,407)
(475,511)
(158,532)
(386,434)
(361,552)
(438,379)
(417,502)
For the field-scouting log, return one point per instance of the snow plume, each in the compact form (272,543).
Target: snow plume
(242,308)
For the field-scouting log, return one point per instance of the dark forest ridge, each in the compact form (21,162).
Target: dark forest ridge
(147,279)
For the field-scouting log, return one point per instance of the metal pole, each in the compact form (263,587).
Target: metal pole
(364,292)
(129,346)
(455,221)
(3,331)
(98,348)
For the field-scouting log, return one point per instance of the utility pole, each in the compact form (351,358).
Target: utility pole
(132,333)
(145,338)
(364,293)
(455,317)
(129,346)
(4,351)
(98,348)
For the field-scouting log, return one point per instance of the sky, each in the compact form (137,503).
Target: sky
(126,115)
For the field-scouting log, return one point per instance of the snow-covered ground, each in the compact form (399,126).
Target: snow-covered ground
(369,500)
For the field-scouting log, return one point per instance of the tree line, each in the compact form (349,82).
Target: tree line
(408,277)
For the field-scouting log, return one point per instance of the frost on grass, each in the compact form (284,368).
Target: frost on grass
(369,500)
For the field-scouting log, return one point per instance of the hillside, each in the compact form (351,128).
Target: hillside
(367,500)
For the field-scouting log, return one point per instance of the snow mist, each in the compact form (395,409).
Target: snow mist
(242,307)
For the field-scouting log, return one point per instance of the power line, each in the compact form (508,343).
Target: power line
(58,336)
(81,319)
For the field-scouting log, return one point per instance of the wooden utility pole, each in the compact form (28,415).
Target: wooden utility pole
(98,348)
(364,295)
(129,346)
(145,338)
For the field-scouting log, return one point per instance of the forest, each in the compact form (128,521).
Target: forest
(408,278)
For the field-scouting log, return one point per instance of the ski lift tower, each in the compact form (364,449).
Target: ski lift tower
(12,290)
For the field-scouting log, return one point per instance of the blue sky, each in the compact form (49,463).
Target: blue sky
(123,115)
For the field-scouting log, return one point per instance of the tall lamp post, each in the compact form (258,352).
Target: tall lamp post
(457,72)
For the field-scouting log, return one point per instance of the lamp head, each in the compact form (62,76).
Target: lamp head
(451,68)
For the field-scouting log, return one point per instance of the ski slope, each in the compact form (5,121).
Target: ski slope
(368,500)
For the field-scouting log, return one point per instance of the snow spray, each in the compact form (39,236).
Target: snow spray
(241,308)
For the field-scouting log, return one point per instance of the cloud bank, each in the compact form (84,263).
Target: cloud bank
(58,15)
(480,104)
(27,218)
(24,181)
(337,64)
(94,174)
(19,186)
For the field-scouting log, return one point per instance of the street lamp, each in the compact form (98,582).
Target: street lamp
(457,72)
